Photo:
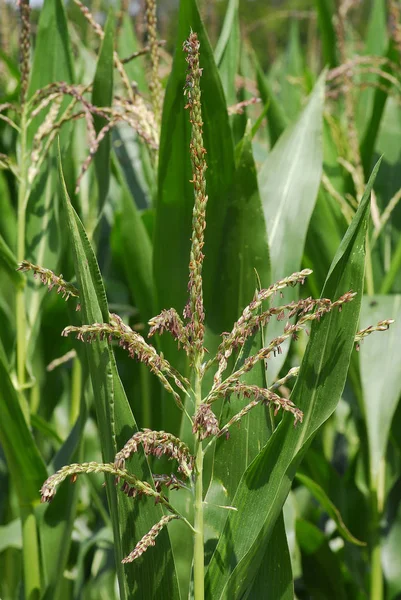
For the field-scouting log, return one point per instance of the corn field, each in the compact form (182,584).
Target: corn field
(200,300)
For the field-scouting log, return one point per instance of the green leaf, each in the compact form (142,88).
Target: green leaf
(292,72)
(45,428)
(321,567)
(245,246)
(175,201)
(290,510)
(320,495)
(102,95)
(390,556)
(42,244)
(127,44)
(376,42)
(277,120)
(274,580)
(7,327)
(58,518)
(173,223)
(25,464)
(232,456)
(227,52)
(11,535)
(8,221)
(325,13)
(52,58)
(13,73)
(136,250)
(289,182)
(267,481)
(52,62)
(8,259)
(102,538)
(380,367)
(325,230)
(116,424)
(133,243)
(379,102)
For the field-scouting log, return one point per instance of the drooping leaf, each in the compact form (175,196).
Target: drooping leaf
(116,424)
(266,482)
(320,495)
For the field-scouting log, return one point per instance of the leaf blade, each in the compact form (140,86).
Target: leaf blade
(267,481)
(289,182)
(116,424)
(380,370)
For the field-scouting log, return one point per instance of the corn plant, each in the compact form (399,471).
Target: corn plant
(230,428)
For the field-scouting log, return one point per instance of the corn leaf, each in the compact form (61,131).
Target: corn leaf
(274,580)
(102,95)
(136,251)
(380,367)
(245,245)
(52,62)
(9,261)
(325,13)
(288,183)
(116,424)
(227,52)
(320,495)
(174,206)
(277,120)
(320,565)
(267,481)
(24,461)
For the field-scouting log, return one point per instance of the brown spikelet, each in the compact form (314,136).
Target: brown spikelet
(194,311)
(48,489)
(25,46)
(155,85)
(47,277)
(158,443)
(148,539)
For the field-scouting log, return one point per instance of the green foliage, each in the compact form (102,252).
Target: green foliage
(196,459)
